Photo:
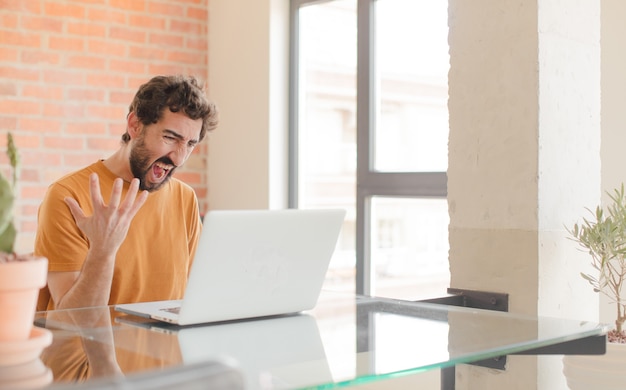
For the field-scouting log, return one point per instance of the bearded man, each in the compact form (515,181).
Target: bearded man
(123,229)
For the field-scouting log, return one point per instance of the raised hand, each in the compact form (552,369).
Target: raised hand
(107,227)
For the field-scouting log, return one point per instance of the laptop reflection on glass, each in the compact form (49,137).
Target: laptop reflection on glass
(271,352)
(252,263)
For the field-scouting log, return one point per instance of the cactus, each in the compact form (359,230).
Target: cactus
(8,189)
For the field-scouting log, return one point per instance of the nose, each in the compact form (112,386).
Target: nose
(179,156)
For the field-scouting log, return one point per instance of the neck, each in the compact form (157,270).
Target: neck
(119,163)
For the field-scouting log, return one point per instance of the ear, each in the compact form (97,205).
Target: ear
(133,125)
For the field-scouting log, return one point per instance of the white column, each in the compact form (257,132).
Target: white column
(524,161)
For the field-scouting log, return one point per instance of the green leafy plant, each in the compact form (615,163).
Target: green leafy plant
(8,187)
(604,238)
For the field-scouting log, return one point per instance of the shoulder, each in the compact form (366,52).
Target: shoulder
(79,178)
(180,188)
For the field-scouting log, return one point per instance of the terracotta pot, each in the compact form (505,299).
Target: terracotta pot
(604,372)
(20,282)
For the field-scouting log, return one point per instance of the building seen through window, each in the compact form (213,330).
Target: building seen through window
(408,235)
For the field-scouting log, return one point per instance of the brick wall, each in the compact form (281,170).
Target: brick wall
(69,69)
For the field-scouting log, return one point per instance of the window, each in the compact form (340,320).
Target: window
(369,131)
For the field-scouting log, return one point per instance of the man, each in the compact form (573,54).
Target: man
(122,229)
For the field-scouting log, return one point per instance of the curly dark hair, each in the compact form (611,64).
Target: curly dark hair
(178,93)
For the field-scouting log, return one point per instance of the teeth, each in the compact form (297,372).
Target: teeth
(163,166)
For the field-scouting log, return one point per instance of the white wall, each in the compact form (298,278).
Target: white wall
(248,80)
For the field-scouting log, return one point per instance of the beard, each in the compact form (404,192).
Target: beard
(140,166)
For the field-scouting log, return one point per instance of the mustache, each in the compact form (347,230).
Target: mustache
(166,161)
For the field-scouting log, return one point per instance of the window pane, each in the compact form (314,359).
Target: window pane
(409,245)
(412,65)
(327,123)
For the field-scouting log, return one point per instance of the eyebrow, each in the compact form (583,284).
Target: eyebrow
(178,136)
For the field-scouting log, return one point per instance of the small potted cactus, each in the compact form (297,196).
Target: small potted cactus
(21,275)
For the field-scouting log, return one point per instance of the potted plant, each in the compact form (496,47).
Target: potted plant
(604,238)
(21,275)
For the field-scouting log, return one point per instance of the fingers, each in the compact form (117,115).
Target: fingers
(75,209)
(132,203)
(94,191)
(116,193)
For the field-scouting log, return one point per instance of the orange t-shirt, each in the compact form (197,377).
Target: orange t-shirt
(154,260)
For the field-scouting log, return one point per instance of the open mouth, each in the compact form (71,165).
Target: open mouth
(160,170)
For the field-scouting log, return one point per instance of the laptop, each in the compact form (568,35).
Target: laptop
(252,263)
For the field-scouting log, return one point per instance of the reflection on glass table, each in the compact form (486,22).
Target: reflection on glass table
(345,340)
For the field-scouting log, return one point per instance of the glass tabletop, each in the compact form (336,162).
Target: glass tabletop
(345,340)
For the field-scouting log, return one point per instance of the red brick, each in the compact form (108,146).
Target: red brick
(40,57)
(86,29)
(104,47)
(8,89)
(47,126)
(127,34)
(8,54)
(21,5)
(40,159)
(117,129)
(8,21)
(41,23)
(40,91)
(66,43)
(107,144)
(189,177)
(32,191)
(65,143)
(128,5)
(63,9)
(19,73)
(86,62)
(63,77)
(64,110)
(85,128)
(131,66)
(197,43)
(29,175)
(201,191)
(85,94)
(52,69)
(105,112)
(108,15)
(82,159)
(27,141)
(8,123)
(166,69)
(147,21)
(199,13)
(20,38)
(52,174)
(121,97)
(106,80)
(147,53)
(176,41)
(188,27)
(172,10)
(187,57)
(30,209)
(19,107)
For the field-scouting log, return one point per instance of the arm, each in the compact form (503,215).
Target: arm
(106,230)
(89,352)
